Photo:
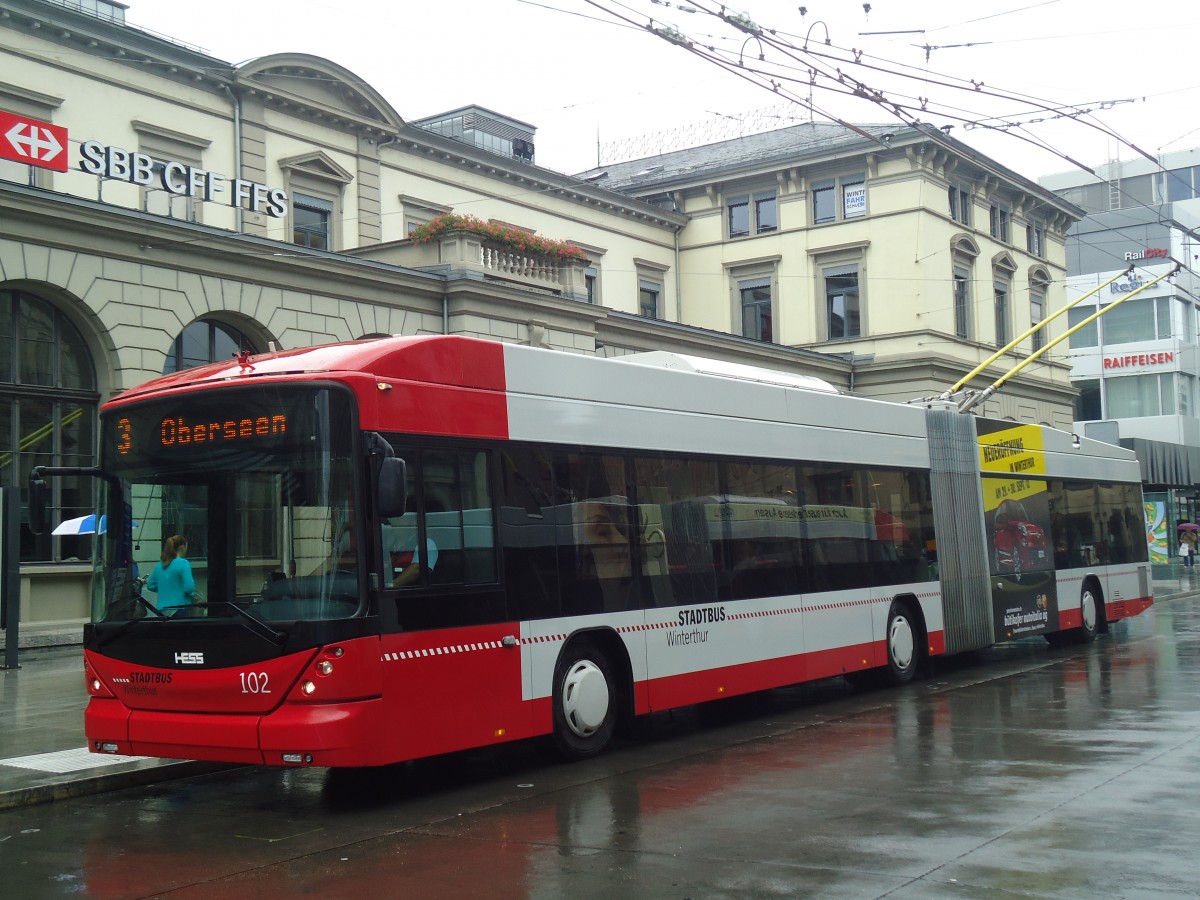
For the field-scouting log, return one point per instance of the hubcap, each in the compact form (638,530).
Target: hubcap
(1089,611)
(900,642)
(585,698)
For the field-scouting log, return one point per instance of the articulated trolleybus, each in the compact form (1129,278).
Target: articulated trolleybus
(410,546)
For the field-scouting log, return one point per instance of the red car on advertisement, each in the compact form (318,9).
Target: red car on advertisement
(1019,544)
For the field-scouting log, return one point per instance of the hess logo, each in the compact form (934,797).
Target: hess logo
(189,659)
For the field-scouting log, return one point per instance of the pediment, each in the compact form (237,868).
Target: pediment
(1004,261)
(965,244)
(311,85)
(319,165)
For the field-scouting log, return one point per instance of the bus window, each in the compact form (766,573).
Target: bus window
(836,528)
(901,513)
(682,494)
(527,532)
(446,535)
(760,531)
(593,530)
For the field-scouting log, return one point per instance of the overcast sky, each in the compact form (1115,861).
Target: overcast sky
(595,85)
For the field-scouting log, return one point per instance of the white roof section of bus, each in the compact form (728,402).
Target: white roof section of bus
(1093,459)
(702,366)
(567,398)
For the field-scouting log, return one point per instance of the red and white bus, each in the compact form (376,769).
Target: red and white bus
(410,546)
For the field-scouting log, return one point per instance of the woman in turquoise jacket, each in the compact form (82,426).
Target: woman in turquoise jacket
(172,576)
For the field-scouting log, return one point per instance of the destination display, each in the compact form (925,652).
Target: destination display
(190,428)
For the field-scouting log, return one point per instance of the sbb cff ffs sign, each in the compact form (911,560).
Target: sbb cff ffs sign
(29,141)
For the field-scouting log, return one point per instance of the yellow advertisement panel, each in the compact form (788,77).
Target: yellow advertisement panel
(1013,451)
(997,490)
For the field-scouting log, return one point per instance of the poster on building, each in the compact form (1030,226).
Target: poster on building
(1157,533)
(1016,510)
(854,200)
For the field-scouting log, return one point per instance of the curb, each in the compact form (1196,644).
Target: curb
(69,787)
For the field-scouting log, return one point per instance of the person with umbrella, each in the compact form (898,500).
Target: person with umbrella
(1187,543)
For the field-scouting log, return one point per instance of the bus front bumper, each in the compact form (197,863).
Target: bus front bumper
(334,734)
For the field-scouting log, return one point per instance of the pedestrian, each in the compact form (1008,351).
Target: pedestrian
(172,577)
(1187,548)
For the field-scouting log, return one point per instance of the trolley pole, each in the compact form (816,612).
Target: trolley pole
(10,573)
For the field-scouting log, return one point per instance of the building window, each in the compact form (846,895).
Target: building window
(205,341)
(960,204)
(1134,320)
(591,284)
(418,212)
(824,202)
(754,296)
(311,220)
(315,181)
(165,146)
(998,220)
(755,213)
(962,303)
(1133,396)
(648,292)
(1037,313)
(1088,335)
(738,216)
(850,190)
(1087,404)
(1035,238)
(766,212)
(1183,184)
(1000,293)
(843,314)
(651,276)
(48,405)
(32,105)
(963,253)
(1186,388)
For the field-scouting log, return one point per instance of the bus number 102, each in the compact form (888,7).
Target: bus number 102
(254,682)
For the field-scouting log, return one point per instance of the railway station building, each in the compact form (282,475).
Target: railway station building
(160,208)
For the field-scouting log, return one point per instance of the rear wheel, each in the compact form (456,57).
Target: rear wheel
(585,701)
(903,653)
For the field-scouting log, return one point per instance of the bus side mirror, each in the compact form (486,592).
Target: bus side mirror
(389,500)
(38,495)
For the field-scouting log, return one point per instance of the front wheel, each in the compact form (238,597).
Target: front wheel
(585,701)
(1090,613)
(902,650)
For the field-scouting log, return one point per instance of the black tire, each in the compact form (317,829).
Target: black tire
(903,645)
(585,701)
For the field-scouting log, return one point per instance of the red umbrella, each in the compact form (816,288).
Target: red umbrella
(1189,526)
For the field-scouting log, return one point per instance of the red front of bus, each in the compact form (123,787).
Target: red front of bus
(233,613)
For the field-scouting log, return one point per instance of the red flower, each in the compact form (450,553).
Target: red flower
(514,238)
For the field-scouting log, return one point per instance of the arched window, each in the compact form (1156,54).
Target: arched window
(205,341)
(48,404)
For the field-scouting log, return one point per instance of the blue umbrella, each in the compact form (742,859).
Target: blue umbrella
(83,525)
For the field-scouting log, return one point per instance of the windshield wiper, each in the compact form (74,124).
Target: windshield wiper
(264,630)
(128,623)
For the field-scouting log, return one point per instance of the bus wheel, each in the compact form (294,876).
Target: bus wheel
(901,645)
(1089,608)
(585,707)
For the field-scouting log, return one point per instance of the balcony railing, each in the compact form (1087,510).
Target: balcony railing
(466,251)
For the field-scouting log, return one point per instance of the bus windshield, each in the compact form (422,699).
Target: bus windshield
(229,503)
